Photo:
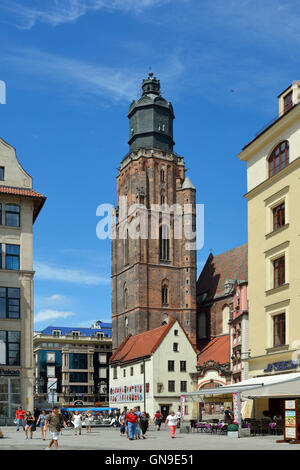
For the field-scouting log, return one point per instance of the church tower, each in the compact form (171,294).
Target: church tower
(154,276)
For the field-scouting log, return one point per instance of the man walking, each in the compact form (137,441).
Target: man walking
(54,420)
(132,420)
(20,415)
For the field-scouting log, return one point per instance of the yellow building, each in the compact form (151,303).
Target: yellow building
(273,194)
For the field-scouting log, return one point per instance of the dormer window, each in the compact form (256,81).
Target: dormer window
(75,334)
(56,333)
(288,101)
(279,158)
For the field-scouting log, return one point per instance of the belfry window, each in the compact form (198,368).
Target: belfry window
(164,295)
(279,158)
(164,243)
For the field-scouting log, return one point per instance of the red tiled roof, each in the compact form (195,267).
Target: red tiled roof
(232,264)
(217,350)
(24,192)
(142,345)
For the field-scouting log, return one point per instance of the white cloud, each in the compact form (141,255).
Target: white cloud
(88,79)
(47,314)
(57,12)
(46,272)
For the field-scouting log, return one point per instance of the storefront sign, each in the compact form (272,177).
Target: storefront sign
(182,407)
(236,407)
(11,372)
(291,420)
(278,366)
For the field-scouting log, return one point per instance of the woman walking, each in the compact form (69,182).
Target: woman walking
(41,421)
(88,418)
(172,421)
(158,417)
(144,423)
(122,421)
(29,424)
(77,422)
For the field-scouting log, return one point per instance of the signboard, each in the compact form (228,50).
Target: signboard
(291,421)
(52,397)
(279,366)
(182,407)
(52,384)
(130,393)
(236,408)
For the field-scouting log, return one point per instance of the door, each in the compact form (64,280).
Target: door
(164,409)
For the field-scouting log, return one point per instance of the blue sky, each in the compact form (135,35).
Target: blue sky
(71,69)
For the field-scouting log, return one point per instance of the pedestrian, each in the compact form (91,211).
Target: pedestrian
(172,422)
(158,417)
(41,422)
(20,415)
(122,421)
(144,423)
(132,420)
(88,418)
(36,413)
(77,422)
(29,424)
(53,421)
(228,415)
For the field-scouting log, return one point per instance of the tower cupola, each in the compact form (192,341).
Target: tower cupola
(151,119)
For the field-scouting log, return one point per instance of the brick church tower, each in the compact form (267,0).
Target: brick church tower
(153,278)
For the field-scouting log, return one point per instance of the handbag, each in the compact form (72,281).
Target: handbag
(33,427)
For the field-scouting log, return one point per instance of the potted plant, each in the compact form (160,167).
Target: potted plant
(233,430)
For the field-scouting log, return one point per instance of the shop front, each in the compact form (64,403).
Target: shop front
(251,398)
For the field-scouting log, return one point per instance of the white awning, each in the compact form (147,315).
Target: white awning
(281,385)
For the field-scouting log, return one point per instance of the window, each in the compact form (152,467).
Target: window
(78,389)
(50,371)
(171,366)
(12,259)
(76,377)
(182,366)
(50,357)
(126,249)
(9,302)
(279,271)
(78,361)
(102,358)
(10,348)
(131,371)
(175,332)
(75,334)
(279,216)
(115,373)
(142,368)
(162,175)
(171,386)
(279,158)
(102,373)
(162,199)
(1,173)
(164,295)
(279,329)
(0,213)
(56,333)
(12,215)
(175,347)
(164,243)
(183,387)
(288,101)
(124,372)
(125,297)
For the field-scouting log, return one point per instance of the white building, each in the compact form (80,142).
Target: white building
(158,361)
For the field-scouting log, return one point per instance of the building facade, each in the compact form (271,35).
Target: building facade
(152,370)
(153,276)
(273,194)
(78,358)
(19,208)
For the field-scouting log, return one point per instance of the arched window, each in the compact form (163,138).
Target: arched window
(162,198)
(126,326)
(164,243)
(162,174)
(279,158)
(125,297)
(164,295)
(225,319)
(165,319)
(126,248)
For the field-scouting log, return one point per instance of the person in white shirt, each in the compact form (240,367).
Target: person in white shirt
(77,422)
(172,421)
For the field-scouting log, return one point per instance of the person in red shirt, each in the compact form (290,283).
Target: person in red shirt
(20,415)
(158,417)
(132,420)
